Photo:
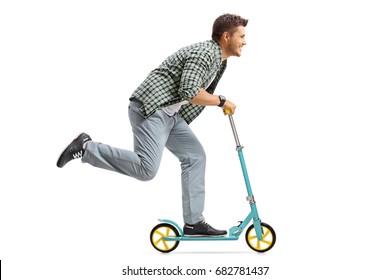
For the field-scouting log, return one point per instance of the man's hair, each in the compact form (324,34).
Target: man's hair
(226,23)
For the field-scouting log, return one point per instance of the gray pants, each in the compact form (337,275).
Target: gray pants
(151,135)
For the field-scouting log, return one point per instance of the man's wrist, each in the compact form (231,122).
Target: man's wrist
(222,100)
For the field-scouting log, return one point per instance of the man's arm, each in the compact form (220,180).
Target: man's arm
(206,99)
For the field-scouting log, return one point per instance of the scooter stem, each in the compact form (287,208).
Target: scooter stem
(254,214)
(234,131)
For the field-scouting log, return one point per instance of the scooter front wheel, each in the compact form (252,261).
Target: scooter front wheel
(266,243)
(160,231)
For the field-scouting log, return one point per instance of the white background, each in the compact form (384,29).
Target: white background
(311,89)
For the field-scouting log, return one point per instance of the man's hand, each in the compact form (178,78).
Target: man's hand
(228,108)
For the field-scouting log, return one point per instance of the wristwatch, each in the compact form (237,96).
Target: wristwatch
(222,100)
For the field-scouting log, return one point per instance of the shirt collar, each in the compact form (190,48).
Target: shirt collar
(217,51)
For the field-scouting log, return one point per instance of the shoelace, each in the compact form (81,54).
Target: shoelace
(204,222)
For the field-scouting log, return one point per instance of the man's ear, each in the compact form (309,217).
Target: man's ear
(225,36)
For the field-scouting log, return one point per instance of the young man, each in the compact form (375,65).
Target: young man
(160,112)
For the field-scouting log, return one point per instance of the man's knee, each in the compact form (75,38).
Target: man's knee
(195,159)
(147,174)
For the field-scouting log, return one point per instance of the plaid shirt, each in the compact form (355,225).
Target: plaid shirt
(180,77)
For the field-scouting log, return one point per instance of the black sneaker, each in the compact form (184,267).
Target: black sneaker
(202,229)
(73,150)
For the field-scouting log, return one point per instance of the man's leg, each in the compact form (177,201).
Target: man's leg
(183,143)
(150,136)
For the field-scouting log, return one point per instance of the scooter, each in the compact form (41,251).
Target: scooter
(260,237)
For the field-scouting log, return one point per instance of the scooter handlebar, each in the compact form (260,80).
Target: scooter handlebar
(227,111)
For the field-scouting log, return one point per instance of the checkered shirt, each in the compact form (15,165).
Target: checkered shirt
(180,77)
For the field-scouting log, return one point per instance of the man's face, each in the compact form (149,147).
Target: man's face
(236,41)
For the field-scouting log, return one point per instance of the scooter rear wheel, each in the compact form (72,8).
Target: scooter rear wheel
(160,231)
(266,243)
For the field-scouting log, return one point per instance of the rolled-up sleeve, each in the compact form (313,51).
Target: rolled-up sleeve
(195,71)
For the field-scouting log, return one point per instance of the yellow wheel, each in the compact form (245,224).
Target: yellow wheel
(267,241)
(160,231)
